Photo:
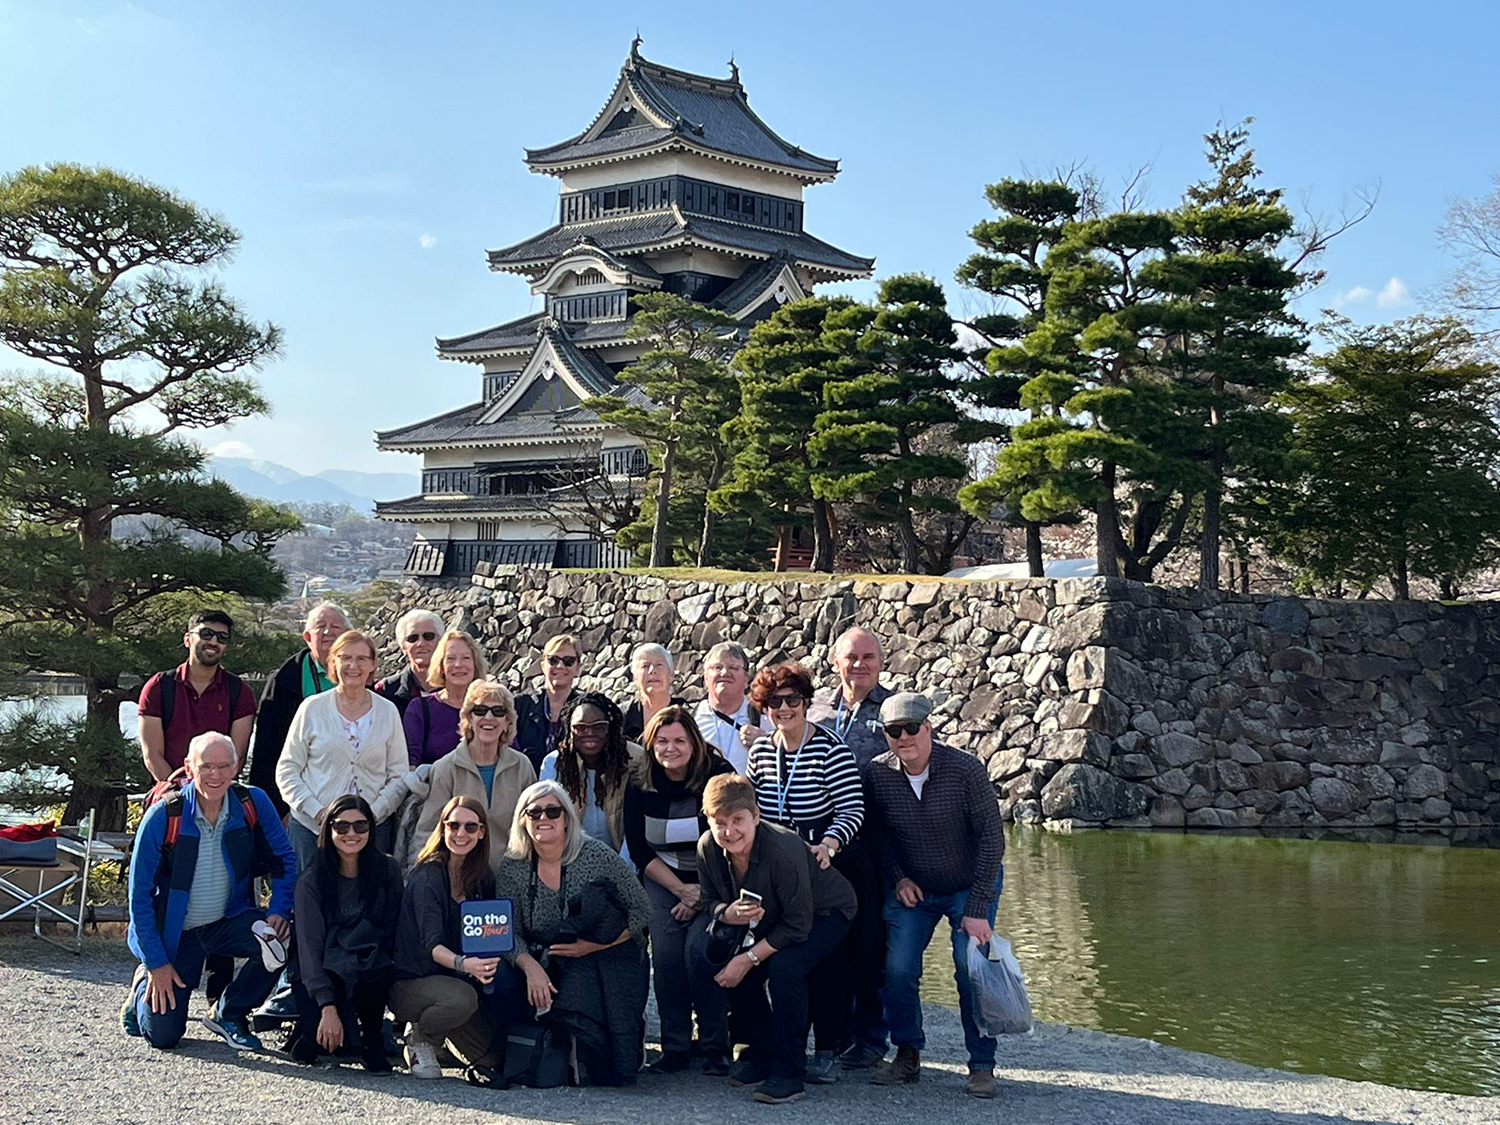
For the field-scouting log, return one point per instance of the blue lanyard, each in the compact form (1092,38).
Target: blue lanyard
(783,792)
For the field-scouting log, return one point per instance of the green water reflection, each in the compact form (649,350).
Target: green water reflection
(1364,961)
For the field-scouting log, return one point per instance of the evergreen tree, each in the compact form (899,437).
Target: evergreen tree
(1397,445)
(687,396)
(96,279)
(784,367)
(892,387)
(1008,266)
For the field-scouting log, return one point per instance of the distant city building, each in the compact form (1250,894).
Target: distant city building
(676,185)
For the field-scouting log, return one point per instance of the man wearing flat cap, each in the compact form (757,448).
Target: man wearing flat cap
(941,845)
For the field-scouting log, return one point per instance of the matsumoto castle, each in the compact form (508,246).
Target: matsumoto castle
(675,185)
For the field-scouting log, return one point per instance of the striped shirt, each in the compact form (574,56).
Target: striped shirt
(813,789)
(209,894)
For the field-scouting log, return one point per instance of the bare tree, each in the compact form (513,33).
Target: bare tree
(587,491)
(1471,230)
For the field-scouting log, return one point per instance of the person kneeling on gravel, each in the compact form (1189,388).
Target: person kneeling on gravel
(192,896)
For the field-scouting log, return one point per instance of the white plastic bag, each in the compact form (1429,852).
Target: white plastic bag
(1001,1006)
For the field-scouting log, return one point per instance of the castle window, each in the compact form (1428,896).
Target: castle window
(609,201)
(731,201)
(747,204)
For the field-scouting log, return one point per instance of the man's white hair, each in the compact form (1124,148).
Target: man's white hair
(209,739)
(414,617)
(323,607)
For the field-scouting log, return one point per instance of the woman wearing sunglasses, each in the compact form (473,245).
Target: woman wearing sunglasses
(437,988)
(806,780)
(593,761)
(539,712)
(431,722)
(417,633)
(581,923)
(347,904)
(484,766)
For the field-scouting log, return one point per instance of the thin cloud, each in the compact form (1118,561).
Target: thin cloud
(1393,295)
(427,241)
(231,449)
(1356,295)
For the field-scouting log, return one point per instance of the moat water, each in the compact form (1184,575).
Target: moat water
(1368,961)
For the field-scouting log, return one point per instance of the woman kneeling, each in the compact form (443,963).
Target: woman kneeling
(777,913)
(437,988)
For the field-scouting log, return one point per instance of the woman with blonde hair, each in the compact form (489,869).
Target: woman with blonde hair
(437,989)
(431,721)
(483,766)
(580,922)
(539,711)
(347,740)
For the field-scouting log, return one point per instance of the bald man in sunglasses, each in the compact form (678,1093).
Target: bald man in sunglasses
(934,811)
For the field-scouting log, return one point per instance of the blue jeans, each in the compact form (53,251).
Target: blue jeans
(908,932)
(228,937)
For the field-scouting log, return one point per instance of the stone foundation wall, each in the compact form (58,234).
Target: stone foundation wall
(1092,701)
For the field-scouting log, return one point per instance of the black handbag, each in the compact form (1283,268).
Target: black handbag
(538,1055)
(722,940)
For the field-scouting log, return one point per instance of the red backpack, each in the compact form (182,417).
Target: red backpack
(170,791)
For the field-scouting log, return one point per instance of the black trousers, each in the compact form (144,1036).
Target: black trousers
(854,978)
(770,1005)
(361,1008)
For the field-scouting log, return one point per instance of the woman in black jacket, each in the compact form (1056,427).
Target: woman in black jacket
(346,906)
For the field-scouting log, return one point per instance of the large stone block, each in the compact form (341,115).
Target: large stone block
(1084,792)
(1177,749)
(1424,781)
(1075,746)
(1332,797)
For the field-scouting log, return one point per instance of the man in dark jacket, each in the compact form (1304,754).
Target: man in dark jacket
(197,856)
(302,676)
(941,844)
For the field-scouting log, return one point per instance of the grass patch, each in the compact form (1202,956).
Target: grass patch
(724,577)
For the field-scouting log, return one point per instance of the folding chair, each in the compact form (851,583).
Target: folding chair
(77,852)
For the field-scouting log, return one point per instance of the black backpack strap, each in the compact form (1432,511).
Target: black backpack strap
(168,698)
(236,685)
(752,715)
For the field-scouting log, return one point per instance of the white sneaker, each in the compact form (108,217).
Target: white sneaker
(421,1058)
(272,948)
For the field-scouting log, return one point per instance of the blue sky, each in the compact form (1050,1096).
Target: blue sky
(370,152)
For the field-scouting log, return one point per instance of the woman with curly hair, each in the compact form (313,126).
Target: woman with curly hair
(593,762)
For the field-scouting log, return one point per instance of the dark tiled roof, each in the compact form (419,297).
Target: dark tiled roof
(465,505)
(589,369)
(752,283)
(660,229)
(516,335)
(702,112)
(463,425)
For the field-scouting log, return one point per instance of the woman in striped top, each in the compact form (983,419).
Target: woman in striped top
(806,779)
(663,822)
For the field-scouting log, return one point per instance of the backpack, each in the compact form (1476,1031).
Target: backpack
(169,696)
(170,791)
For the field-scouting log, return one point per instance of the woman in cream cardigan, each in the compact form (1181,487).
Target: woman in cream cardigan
(483,765)
(347,740)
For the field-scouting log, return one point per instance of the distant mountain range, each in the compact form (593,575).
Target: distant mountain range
(271,481)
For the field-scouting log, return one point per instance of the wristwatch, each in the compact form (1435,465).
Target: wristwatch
(754,960)
(458,962)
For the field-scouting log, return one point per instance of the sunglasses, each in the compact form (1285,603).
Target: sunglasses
(896,730)
(207,634)
(785,701)
(551,812)
(483,709)
(425,635)
(461,827)
(601,727)
(565,661)
(344,827)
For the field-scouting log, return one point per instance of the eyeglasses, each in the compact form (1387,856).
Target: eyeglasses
(794,700)
(355,658)
(565,661)
(896,730)
(358,827)
(551,812)
(207,634)
(214,767)
(480,710)
(601,727)
(461,827)
(726,668)
(424,635)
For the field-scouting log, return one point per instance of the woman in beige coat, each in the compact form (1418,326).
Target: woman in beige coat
(483,766)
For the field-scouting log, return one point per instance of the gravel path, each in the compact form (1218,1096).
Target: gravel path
(65,1059)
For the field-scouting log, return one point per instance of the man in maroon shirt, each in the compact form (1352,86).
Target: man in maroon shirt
(203,698)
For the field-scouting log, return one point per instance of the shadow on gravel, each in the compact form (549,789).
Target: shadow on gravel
(1122,1056)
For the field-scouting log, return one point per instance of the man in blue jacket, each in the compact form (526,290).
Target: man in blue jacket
(197,856)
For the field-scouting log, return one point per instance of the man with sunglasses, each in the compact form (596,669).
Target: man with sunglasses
(417,633)
(197,697)
(935,814)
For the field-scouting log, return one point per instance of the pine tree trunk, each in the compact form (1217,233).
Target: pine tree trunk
(822,537)
(706,540)
(1208,550)
(911,562)
(1401,580)
(661,547)
(1107,526)
(1036,566)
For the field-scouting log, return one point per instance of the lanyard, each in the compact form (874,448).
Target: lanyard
(531,892)
(783,792)
(841,724)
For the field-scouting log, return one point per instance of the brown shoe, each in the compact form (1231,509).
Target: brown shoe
(981,1083)
(903,1070)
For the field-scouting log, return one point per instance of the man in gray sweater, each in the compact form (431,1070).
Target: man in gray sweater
(934,812)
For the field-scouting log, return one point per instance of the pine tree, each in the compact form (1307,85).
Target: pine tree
(892,387)
(96,279)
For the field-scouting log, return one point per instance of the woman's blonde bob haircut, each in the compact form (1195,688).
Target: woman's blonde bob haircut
(448,640)
(487,691)
(521,847)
